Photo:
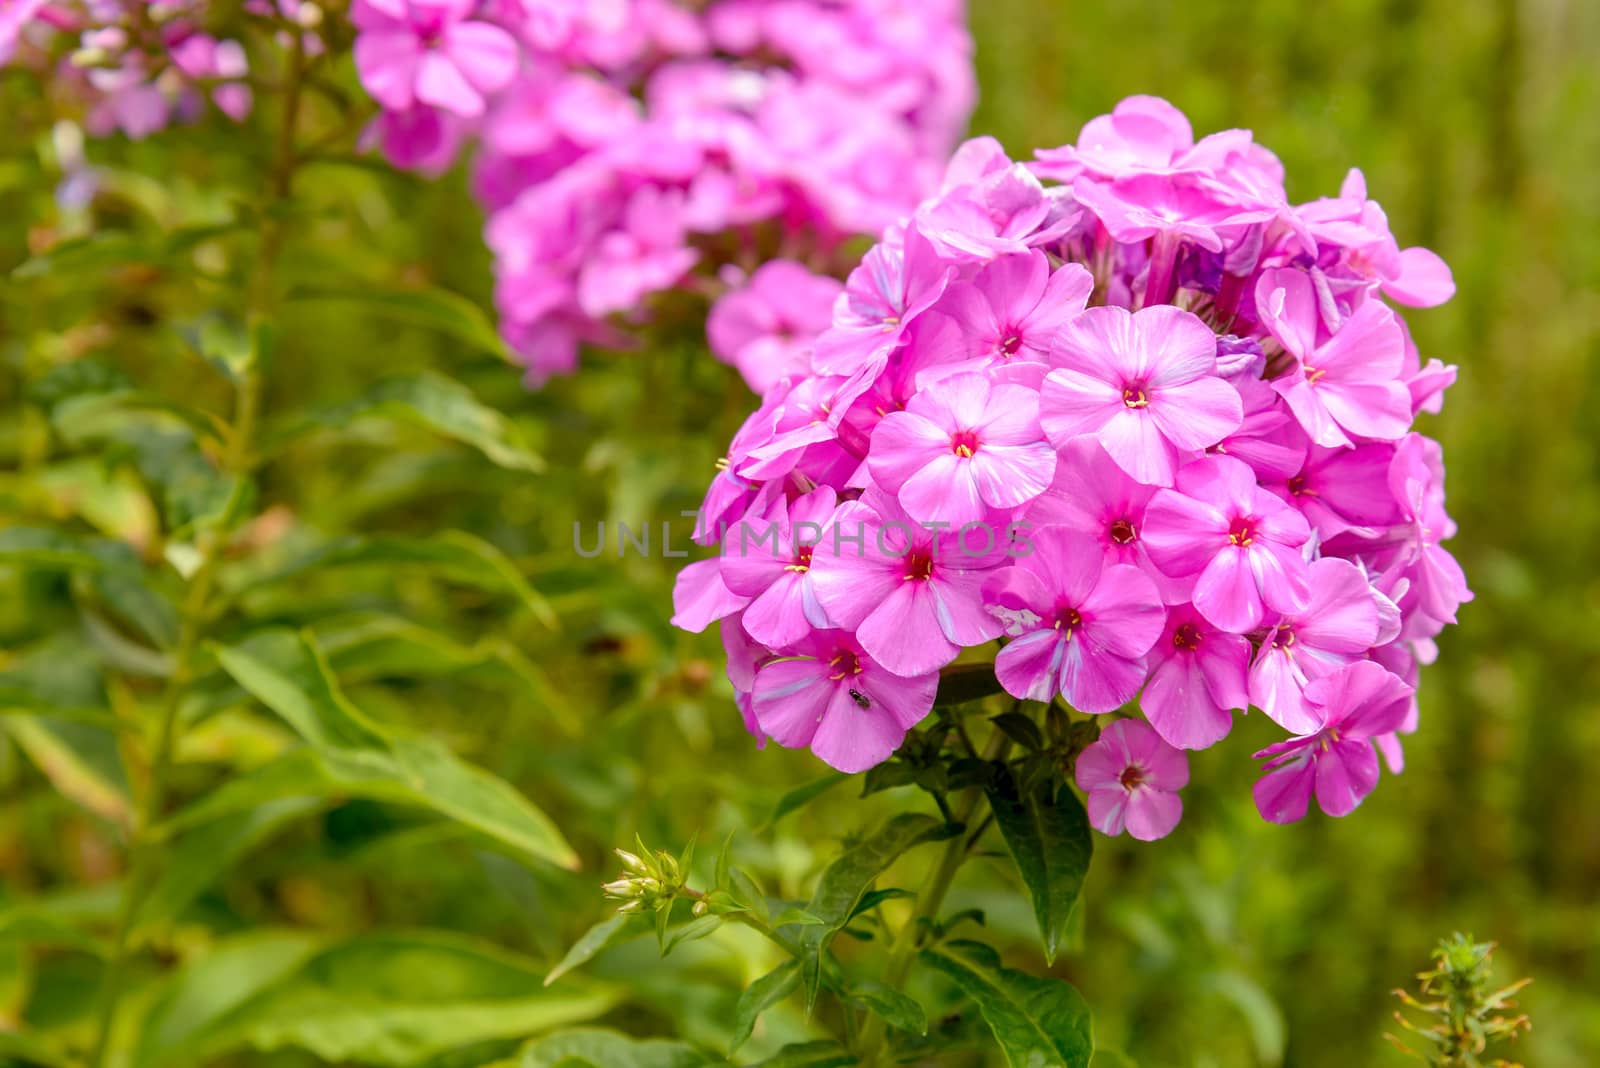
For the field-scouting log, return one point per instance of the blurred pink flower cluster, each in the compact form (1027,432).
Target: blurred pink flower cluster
(137,65)
(1128,410)
(622,144)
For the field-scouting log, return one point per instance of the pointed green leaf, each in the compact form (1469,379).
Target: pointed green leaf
(287,674)
(81,759)
(1037,1022)
(897,1009)
(1047,833)
(432,402)
(851,876)
(192,863)
(432,307)
(802,796)
(760,996)
(822,1054)
(355,755)
(391,999)
(602,936)
(452,555)
(960,683)
(589,1048)
(693,931)
(26,1051)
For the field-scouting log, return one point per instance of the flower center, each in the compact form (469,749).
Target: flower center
(1187,636)
(1298,487)
(802,560)
(1067,621)
(1133,396)
(1010,343)
(1313,374)
(919,566)
(1242,531)
(844,664)
(1283,639)
(964,443)
(1123,533)
(1133,777)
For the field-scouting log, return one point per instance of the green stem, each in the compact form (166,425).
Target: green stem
(195,612)
(903,950)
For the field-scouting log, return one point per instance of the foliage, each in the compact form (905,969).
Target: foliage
(337,915)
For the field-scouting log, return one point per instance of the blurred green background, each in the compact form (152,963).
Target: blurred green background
(1231,943)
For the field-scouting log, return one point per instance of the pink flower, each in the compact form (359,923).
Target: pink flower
(1092,495)
(911,597)
(1015,308)
(1132,779)
(1339,624)
(700,597)
(835,698)
(431,52)
(882,297)
(1197,679)
(1349,384)
(1142,134)
(647,253)
(1078,628)
(1337,489)
(1337,761)
(1243,542)
(1438,587)
(769,560)
(963,446)
(766,327)
(1178,209)
(1144,384)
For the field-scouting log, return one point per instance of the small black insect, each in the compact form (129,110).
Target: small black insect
(860,698)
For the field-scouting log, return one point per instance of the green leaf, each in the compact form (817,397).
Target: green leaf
(1261,1013)
(693,931)
(429,400)
(199,1008)
(1038,1022)
(35,926)
(392,999)
(887,776)
(1105,1058)
(872,900)
(82,760)
(288,673)
(1020,729)
(45,549)
(89,255)
(431,307)
(23,1050)
(587,1048)
(760,996)
(848,878)
(196,860)
(897,1009)
(285,672)
(960,683)
(475,798)
(1047,832)
(451,554)
(821,1054)
(802,796)
(602,936)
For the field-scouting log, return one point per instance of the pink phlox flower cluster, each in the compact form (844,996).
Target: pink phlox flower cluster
(620,145)
(137,66)
(1127,410)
